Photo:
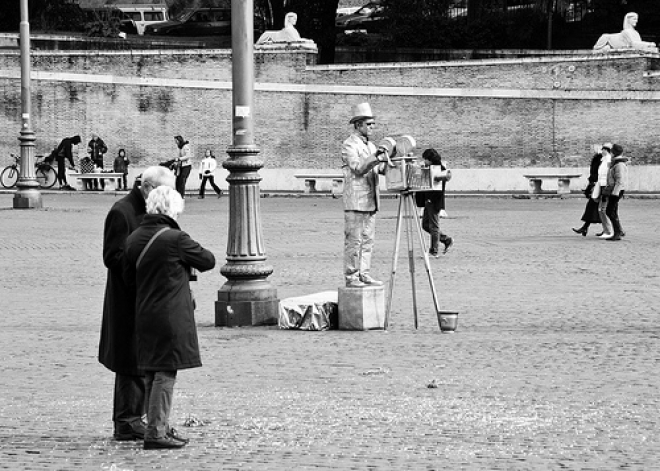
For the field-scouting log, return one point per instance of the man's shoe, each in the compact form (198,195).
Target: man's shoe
(614,237)
(200,197)
(433,254)
(163,443)
(366,279)
(448,243)
(355,284)
(131,432)
(175,435)
(622,234)
(600,234)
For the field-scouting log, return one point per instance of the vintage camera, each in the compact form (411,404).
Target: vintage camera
(407,173)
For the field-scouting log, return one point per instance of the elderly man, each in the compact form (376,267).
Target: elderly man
(361,164)
(117,347)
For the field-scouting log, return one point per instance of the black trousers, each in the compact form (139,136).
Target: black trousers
(181,179)
(128,406)
(612,212)
(61,172)
(211,180)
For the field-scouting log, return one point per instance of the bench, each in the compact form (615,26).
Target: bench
(310,181)
(85,179)
(563,181)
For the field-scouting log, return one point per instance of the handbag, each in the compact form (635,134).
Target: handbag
(146,247)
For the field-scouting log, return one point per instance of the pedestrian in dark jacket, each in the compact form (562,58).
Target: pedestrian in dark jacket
(117,346)
(65,151)
(590,215)
(433,202)
(159,258)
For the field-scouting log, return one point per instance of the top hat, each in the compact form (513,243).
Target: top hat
(361,111)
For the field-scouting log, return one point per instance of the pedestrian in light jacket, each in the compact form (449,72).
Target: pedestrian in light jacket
(617,179)
(159,259)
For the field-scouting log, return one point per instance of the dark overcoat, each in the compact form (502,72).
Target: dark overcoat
(591,214)
(118,348)
(166,332)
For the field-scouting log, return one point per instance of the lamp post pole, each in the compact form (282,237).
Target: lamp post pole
(28,195)
(247,298)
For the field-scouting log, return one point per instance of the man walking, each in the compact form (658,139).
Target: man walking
(117,347)
(617,178)
(361,164)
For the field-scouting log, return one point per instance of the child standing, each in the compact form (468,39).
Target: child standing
(120,165)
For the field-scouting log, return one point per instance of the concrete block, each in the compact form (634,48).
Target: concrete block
(362,308)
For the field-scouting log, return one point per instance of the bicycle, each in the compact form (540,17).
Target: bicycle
(45,173)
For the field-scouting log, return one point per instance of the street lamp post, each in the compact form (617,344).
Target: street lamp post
(28,195)
(247,298)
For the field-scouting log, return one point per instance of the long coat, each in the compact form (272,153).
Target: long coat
(118,348)
(166,332)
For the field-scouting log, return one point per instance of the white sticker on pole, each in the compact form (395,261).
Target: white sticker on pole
(243,111)
(26,115)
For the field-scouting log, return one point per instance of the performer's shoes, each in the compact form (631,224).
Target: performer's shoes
(355,283)
(368,280)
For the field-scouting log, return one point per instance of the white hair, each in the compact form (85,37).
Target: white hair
(165,200)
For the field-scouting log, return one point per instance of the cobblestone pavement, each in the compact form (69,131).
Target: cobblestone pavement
(554,364)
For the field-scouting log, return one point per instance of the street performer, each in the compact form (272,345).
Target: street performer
(362,161)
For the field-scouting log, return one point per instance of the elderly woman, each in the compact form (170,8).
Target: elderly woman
(159,258)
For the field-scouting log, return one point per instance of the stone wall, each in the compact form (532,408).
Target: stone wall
(504,114)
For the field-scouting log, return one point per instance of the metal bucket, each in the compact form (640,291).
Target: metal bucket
(448,321)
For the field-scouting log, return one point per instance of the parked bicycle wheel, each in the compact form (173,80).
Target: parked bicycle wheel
(46,176)
(9,177)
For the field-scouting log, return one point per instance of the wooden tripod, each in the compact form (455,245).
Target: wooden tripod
(408,211)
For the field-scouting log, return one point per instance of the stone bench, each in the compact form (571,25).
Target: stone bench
(84,179)
(563,181)
(310,181)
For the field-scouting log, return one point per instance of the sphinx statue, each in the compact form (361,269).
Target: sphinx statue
(628,38)
(287,36)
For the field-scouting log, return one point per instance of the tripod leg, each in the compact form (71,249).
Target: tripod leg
(395,256)
(427,264)
(411,251)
